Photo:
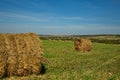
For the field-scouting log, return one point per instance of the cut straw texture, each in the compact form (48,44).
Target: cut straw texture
(83,45)
(20,54)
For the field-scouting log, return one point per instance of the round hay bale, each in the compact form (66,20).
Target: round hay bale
(12,54)
(3,55)
(20,54)
(83,45)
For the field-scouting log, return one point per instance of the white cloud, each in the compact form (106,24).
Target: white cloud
(38,17)
(73,18)
(24,17)
(78,18)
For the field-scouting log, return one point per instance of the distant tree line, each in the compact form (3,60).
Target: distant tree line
(92,37)
(106,41)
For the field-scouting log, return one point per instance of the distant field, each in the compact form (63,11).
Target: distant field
(108,39)
(102,63)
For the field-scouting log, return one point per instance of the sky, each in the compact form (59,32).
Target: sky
(60,17)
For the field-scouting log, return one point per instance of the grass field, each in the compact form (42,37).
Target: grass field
(102,63)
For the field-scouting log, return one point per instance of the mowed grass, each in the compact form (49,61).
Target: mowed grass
(102,63)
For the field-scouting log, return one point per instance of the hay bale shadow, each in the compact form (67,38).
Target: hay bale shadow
(43,69)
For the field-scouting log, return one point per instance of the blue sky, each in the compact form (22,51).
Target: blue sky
(60,17)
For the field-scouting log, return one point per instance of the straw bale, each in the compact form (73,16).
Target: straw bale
(12,54)
(37,57)
(83,45)
(20,54)
(3,56)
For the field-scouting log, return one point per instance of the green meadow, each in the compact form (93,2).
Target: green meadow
(102,63)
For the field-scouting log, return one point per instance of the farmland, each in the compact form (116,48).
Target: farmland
(110,39)
(102,63)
